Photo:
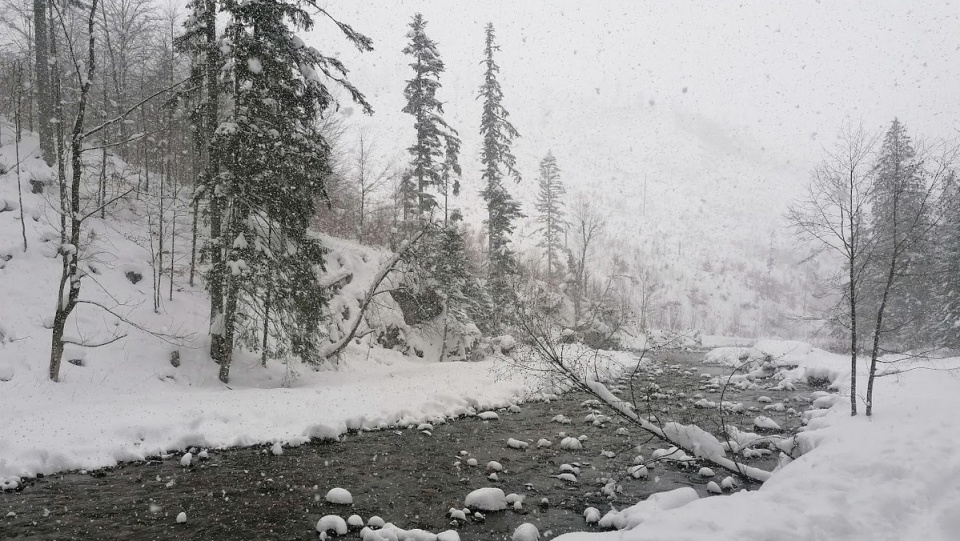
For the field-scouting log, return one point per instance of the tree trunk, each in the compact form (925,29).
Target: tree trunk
(56,344)
(44,90)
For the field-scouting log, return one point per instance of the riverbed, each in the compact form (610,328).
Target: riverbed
(407,476)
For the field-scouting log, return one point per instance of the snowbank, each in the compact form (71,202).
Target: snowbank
(889,477)
(792,360)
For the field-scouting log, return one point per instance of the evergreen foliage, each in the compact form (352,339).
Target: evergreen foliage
(273,168)
(550,214)
(947,330)
(437,145)
(899,278)
(498,161)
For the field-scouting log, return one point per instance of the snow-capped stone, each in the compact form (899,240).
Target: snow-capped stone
(424,426)
(638,472)
(277,449)
(765,423)
(591,515)
(186,459)
(713,488)
(568,477)
(472,462)
(332,522)
(543,442)
(489,416)
(703,403)
(181,518)
(608,454)
(517,444)
(706,472)
(764,400)
(514,408)
(570,444)
(354,521)
(622,431)
(339,496)
(526,532)
(728,483)
(457,514)
(582,437)
(518,506)
(493,477)
(562,419)
(486,499)
(375,522)
(203,455)
(672,453)
(493,465)
(570,468)
(448,535)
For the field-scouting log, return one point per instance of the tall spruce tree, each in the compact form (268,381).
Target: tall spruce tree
(947,332)
(550,213)
(498,161)
(437,145)
(273,164)
(899,278)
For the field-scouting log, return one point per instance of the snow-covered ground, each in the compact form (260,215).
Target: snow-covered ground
(126,400)
(890,477)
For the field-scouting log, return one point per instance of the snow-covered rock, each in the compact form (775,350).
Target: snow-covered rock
(375,522)
(339,496)
(276,449)
(448,535)
(570,444)
(354,521)
(333,523)
(517,444)
(706,472)
(728,483)
(181,518)
(526,532)
(493,465)
(486,499)
(765,423)
(591,515)
(543,442)
(472,462)
(489,416)
(186,459)
(568,477)
(638,471)
(713,488)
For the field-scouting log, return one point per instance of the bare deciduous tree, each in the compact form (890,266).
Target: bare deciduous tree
(833,216)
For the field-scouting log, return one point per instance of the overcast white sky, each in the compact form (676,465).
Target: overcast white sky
(685,91)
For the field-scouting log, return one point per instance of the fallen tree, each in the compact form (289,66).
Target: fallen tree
(335,348)
(580,368)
